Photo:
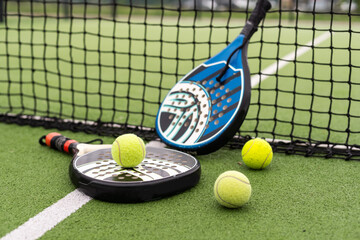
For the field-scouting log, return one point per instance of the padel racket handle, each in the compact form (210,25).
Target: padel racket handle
(59,142)
(259,12)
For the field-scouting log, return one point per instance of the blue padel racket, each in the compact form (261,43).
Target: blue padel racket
(206,108)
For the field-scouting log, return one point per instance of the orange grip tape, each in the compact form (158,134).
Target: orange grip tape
(49,137)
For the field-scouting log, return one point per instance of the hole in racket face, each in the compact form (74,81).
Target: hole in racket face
(158,164)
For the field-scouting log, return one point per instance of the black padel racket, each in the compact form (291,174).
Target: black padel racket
(162,173)
(206,107)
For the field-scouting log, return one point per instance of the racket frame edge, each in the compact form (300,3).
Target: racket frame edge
(134,192)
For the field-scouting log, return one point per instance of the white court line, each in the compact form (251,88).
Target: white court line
(37,226)
(273,68)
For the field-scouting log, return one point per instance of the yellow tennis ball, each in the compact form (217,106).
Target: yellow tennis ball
(128,150)
(232,189)
(257,153)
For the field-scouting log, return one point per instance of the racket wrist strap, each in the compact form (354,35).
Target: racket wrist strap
(222,73)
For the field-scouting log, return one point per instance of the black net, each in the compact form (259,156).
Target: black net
(104,66)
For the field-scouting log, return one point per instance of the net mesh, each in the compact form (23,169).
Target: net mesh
(104,66)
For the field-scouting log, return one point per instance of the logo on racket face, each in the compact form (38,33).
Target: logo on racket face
(199,108)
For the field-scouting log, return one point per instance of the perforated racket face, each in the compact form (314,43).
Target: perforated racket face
(159,164)
(163,172)
(199,109)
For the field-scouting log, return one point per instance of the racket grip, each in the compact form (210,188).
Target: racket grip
(259,12)
(59,142)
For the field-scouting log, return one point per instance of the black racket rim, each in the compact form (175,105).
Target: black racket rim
(134,192)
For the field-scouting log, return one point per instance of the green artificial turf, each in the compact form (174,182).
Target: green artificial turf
(294,198)
(33,177)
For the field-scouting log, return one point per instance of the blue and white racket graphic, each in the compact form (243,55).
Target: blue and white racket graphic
(206,107)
